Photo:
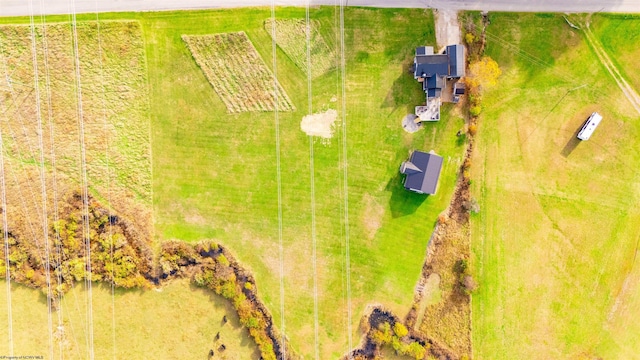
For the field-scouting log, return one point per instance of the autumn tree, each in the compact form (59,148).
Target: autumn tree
(382,335)
(416,351)
(400,330)
(483,74)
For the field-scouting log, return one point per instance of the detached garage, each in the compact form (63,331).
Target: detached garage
(422,172)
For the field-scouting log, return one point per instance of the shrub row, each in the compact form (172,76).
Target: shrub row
(383,329)
(213,267)
(120,255)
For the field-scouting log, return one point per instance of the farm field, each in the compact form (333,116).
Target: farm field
(214,173)
(236,72)
(180,321)
(555,241)
(291,37)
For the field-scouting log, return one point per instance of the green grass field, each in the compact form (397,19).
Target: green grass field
(214,174)
(619,35)
(179,322)
(555,241)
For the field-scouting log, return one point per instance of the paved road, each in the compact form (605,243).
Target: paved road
(21,7)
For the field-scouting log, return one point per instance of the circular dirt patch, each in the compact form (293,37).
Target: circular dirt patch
(409,123)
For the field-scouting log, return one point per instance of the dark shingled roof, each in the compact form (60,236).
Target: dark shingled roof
(429,65)
(434,82)
(456,60)
(435,69)
(458,88)
(424,50)
(425,178)
(434,92)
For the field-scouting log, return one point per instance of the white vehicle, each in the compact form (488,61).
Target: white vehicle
(589,126)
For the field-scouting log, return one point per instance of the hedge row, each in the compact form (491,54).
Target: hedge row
(213,267)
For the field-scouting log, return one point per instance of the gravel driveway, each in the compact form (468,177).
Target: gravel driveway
(447,27)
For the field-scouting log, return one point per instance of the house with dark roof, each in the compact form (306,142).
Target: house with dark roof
(433,71)
(422,172)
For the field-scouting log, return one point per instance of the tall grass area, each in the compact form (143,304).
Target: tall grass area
(215,174)
(554,243)
(45,135)
(179,322)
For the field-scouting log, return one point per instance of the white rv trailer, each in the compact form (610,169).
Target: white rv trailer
(589,126)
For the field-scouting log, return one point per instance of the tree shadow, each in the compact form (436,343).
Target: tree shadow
(573,142)
(403,202)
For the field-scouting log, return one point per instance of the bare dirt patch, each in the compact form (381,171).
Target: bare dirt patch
(320,124)
(409,123)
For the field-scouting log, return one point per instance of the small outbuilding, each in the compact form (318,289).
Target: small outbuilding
(458,90)
(422,172)
(589,126)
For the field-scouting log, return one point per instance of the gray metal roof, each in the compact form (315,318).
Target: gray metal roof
(456,60)
(426,180)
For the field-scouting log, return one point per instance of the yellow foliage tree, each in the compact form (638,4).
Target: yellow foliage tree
(483,74)
(400,329)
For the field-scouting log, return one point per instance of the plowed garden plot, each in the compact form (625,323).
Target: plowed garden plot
(291,37)
(237,72)
(114,102)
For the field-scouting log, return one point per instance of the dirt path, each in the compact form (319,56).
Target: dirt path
(447,27)
(627,90)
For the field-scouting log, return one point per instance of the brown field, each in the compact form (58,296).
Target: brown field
(291,37)
(237,72)
(114,99)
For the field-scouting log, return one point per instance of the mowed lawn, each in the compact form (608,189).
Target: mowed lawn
(620,36)
(555,242)
(215,173)
(179,322)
